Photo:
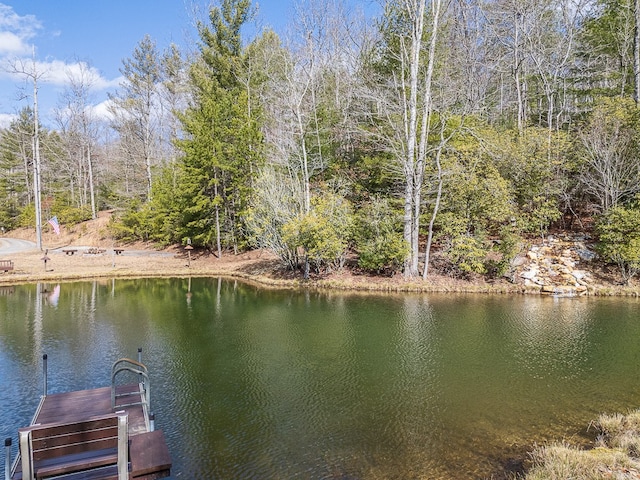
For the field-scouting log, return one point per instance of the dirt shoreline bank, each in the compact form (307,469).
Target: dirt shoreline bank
(259,267)
(140,260)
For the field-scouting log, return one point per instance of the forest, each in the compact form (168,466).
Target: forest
(439,136)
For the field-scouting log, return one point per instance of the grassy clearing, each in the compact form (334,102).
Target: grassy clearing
(616,454)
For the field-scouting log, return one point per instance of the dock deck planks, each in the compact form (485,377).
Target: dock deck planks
(81,404)
(149,455)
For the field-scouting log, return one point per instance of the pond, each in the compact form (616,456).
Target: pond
(260,384)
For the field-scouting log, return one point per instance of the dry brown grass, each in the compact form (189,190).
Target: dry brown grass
(615,456)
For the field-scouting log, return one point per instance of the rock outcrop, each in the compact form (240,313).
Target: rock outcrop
(554,266)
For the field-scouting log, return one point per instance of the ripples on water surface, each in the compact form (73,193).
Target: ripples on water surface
(258,384)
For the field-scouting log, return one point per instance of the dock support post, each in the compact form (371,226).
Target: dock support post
(152,422)
(44,375)
(7,462)
(123,446)
(27,455)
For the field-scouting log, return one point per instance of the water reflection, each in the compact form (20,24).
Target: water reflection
(263,384)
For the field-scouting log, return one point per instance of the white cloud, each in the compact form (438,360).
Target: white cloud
(15,55)
(56,72)
(59,73)
(6,119)
(11,44)
(16,31)
(102,111)
(81,71)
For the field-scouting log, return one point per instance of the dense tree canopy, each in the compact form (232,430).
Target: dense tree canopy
(464,124)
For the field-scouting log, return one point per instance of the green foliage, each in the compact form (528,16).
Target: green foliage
(27,216)
(160,220)
(9,214)
(468,253)
(72,215)
(131,225)
(505,250)
(68,213)
(383,254)
(324,233)
(165,209)
(536,174)
(223,144)
(476,197)
(619,238)
(15,171)
(381,247)
(475,226)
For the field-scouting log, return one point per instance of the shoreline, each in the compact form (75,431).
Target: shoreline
(258,267)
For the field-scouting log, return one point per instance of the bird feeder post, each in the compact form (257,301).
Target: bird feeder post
(45,259)
(188,248)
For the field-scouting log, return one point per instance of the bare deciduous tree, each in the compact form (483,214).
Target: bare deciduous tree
(611,169)
(80,132)
(134,107)
(30,71)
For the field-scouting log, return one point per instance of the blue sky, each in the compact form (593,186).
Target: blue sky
(98,34)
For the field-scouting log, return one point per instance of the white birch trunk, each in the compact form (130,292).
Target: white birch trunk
(636,50)
(94,214)
(416,148)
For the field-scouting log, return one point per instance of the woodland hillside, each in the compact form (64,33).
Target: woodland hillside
(442,138)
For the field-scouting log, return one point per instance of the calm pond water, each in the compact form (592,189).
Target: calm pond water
(257,384)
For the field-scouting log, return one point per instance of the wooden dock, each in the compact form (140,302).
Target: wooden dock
(103,433)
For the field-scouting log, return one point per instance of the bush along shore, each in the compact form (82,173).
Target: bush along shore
(560,265)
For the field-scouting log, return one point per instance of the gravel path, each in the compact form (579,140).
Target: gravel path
(14,245)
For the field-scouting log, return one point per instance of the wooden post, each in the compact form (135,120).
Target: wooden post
(7,463)
(45,259)
(25,453)
(123,447)
(44,374)
(188,248)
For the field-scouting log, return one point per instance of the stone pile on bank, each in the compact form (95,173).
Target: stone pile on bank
(553,266)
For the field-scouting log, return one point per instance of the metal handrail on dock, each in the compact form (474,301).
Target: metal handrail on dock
(138,368)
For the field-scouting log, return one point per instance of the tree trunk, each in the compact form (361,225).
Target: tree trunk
(36,163)
(217,219)
(411,132)
(91,189)
(416,148)
(636,51)
(517,62)
(436,207)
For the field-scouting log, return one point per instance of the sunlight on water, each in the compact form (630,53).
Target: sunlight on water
(262,384)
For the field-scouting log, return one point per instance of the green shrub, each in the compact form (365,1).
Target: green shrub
(324,233)
(72,215)
(378,236)
(130,226)
(619,234)
(505,250)
(27,217)
(468,254)
(383,254)
(9,214)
